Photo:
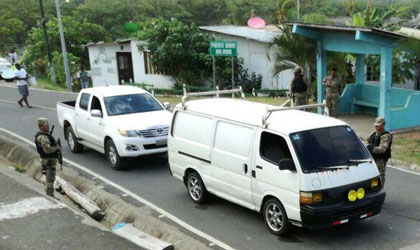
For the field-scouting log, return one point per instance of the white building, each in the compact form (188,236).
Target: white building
(254,46)
(122,62)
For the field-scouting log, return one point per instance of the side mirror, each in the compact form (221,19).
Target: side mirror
(287,164)
(166,105)
(96,113)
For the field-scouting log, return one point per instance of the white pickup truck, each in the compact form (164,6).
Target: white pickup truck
(119,121)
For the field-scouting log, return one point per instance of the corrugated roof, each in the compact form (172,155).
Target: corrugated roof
(266,35)
(118,41)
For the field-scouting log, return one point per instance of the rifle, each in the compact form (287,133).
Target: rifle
(59,154)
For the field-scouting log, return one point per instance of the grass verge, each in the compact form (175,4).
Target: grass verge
(44,83)
(406,147)
(18,168)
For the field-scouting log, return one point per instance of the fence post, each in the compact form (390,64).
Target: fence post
(217,93)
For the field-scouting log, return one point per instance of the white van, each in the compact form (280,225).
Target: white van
(293,167)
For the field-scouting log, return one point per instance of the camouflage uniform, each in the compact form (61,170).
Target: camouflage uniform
(380,147)
(47,148)
(299,93)
(332,95)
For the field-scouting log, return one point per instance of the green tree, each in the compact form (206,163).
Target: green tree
(317,18)
(179,50)
(12,32)
(77,34)
(294,51)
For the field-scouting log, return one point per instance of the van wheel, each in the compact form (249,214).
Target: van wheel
(275,217)
(114,159)
(196,189)
(74,146)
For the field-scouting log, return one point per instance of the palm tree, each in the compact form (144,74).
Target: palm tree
(294,51)
(283,11)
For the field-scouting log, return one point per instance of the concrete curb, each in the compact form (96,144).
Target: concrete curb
(116,209)
(405,165)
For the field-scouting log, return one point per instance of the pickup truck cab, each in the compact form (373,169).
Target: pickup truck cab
(119,121)
(294,167)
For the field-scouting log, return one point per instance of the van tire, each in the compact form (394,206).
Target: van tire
(114,159)
(74,146)
(275,217)
(196,188)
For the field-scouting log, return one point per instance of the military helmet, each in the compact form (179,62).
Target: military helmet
(379,121)
(42,121)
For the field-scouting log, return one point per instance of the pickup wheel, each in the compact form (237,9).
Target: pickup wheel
(275,217)
(74,146)
(196,189)
(115,160)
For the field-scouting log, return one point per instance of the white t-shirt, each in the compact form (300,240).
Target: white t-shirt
(21,74)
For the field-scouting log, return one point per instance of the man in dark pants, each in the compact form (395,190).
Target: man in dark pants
(48,151)
(380,146)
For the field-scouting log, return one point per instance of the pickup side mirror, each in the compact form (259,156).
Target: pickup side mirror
(96,113)
(166,105)
(287,164)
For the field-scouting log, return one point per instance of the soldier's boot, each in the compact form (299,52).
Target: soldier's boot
(49,189)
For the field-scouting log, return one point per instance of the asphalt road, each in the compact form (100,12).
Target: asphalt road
(397,227)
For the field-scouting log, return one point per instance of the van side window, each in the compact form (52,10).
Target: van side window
(194,128)
(233,138)
(96,104)
(84,101)
(273,148)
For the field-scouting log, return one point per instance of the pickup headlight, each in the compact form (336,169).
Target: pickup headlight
(129,133)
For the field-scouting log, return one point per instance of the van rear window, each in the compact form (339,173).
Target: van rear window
(192,127)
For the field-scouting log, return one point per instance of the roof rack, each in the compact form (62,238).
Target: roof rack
(283,108)
(215,93)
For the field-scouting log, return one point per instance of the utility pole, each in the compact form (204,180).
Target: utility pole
(63,48)
(298,9)
(47,46)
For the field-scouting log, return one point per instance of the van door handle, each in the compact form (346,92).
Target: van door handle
(88,119)
(259,167)
(245,168)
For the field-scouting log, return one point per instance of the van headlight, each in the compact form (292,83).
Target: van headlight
(129,133)
(310,198)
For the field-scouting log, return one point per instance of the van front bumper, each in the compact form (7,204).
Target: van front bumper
(322,216)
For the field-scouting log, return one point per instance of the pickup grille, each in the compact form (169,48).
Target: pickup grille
(155,132)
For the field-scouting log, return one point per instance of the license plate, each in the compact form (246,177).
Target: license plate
(161,142)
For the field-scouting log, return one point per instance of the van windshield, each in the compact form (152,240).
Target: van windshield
(325,148)
(130,104)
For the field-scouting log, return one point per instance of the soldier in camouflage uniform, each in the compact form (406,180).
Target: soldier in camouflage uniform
(48,150)
(334,86)
(299,88)
(380,146)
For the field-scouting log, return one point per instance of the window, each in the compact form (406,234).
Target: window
(96,104)
(123,62)
(149,68)
(372,74)
(84,101)
(193,128)
(233,138)
(130,104)
(327,147)
(273,148)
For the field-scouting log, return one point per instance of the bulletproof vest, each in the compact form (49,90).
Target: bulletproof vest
(39,148)
(298,85)
(375,140)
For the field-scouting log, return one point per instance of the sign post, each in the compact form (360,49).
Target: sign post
(223,48)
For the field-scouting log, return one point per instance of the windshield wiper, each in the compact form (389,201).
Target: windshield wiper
(354,162)
(319,169)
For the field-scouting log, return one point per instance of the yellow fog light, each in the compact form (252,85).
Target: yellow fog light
(360,193)
(374,183)
(352,195)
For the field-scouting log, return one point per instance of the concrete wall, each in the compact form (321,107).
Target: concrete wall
(103,63)
(259,58)
(140,76)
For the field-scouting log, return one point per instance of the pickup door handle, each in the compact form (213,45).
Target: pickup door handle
(245,168)
(101,123)
(259,167)
(88,119)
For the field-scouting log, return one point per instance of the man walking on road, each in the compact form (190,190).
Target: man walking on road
(22,84)
(48,150)
(334,86)
(380,146)
(299,89)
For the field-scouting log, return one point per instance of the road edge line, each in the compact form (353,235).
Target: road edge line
(134,196)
